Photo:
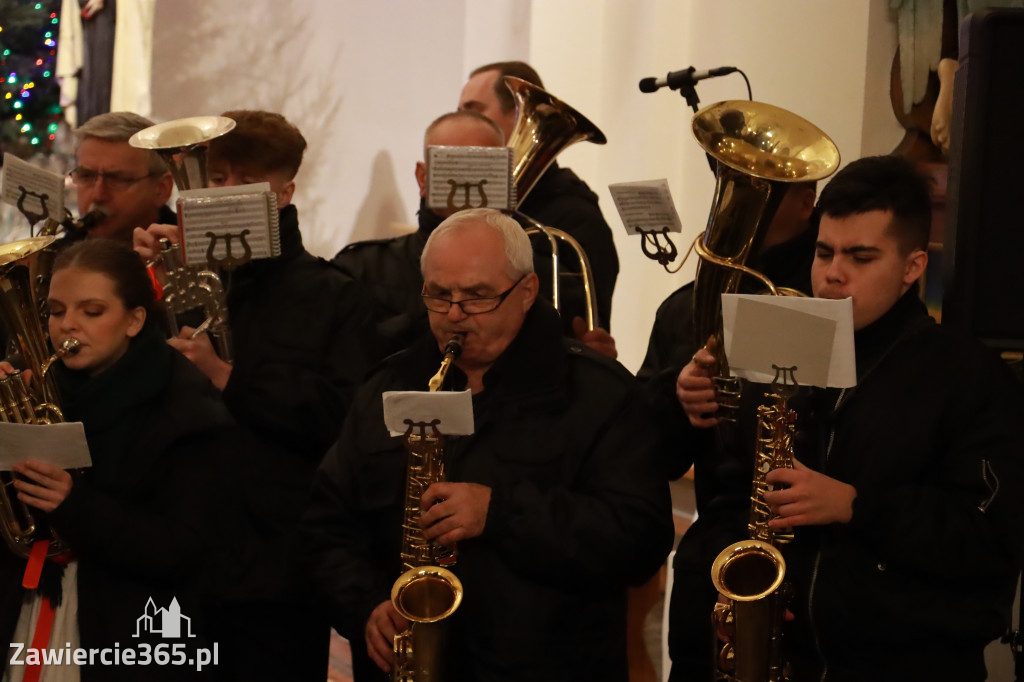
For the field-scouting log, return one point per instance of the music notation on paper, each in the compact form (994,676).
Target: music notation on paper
(469,177)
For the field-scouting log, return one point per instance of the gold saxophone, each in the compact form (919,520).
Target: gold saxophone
(27,402)
(750,572)
(427,592)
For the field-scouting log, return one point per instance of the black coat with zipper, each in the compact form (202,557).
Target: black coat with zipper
(923,576)
(579,509)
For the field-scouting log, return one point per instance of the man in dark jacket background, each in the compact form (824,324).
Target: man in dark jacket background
(559,199)
(906,492)
(557,501)
(390,268)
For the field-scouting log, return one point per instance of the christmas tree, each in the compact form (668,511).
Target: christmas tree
(29,93)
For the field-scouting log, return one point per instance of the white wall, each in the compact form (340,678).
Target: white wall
(363,79)
(360,79)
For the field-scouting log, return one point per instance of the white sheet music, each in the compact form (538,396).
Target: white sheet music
(62,445)
(469,177)
(17,175)
(452,409)
(815,335)
(645,205)
(240,223)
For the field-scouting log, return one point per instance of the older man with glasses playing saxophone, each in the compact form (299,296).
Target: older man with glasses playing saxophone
(557,501)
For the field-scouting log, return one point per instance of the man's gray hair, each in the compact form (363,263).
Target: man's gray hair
(518,252)
(118,126)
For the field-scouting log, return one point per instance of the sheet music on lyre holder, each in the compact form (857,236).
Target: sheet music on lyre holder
(470,177)
(224,227)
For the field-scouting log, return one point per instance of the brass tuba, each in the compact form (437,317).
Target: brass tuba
(544,127)
(750,572)
(181,143)
(427,592)
(760,149)
(21,402)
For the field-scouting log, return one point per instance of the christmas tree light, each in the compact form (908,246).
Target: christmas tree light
(29,93)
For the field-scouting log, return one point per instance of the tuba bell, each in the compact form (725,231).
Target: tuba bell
(182,144)
(27,402)
(759,151)
(544,127)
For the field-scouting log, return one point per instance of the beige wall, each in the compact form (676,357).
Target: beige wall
(808,56)
(363,79)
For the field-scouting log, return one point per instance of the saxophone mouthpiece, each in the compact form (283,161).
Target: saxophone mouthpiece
(70,346)
(454,346)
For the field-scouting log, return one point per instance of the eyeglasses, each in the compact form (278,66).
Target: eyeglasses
(86,177)
(469,306)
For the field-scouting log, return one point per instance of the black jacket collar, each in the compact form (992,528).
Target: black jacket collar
(291,238)
(248,276)
(906,317)
(428,221)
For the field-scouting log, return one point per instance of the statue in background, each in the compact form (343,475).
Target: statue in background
(923,71)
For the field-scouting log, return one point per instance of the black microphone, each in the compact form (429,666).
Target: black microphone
(686,77)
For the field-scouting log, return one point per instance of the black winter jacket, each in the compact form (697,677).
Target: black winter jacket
(579,509)
(144,520)
(303,339)
(390,270)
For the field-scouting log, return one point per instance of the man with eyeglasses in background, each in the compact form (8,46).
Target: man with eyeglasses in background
(132,186)
(557,501)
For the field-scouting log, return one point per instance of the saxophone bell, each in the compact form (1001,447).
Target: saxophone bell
(750,572)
